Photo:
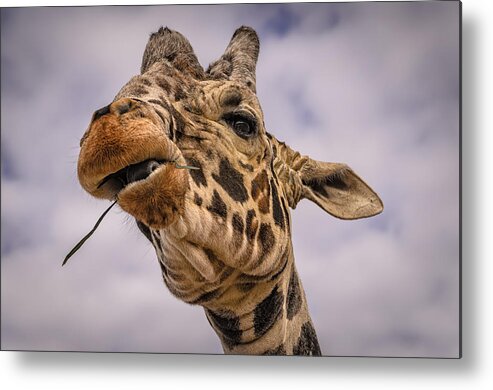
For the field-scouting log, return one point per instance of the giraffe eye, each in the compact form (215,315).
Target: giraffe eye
(243,125)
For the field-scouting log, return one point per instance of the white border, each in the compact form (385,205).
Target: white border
(108,371)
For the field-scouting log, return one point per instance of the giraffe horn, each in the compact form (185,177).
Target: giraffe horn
(173,47)
(239,61)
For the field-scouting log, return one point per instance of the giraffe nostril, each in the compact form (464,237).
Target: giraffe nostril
(102,111)
(123,107)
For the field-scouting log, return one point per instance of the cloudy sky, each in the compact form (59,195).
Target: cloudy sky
(374,85)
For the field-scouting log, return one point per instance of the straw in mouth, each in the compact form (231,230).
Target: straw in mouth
(122,178)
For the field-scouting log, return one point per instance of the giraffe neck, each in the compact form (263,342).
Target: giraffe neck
(278,324)
(251,314)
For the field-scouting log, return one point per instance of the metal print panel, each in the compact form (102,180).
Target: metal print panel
(290,171)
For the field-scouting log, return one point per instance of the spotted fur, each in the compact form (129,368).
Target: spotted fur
(221,231)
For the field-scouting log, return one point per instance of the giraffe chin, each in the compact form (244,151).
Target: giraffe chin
(158,200)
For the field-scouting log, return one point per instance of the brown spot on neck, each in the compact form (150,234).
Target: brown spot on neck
(218,207)
(251,224)
(261,192)
(231,181)
(276,206)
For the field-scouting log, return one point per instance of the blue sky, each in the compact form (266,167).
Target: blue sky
(373,85)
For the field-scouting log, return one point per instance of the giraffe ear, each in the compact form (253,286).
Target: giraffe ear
(239,61)
(332,186)
(338,190)
(172,47)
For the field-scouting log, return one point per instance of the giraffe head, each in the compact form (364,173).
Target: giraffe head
(231,215)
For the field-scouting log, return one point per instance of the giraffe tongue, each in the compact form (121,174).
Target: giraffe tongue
(119,180)
(141,170)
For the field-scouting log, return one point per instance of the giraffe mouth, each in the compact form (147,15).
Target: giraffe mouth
(117,181)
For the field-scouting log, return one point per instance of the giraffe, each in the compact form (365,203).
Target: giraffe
(221,231)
